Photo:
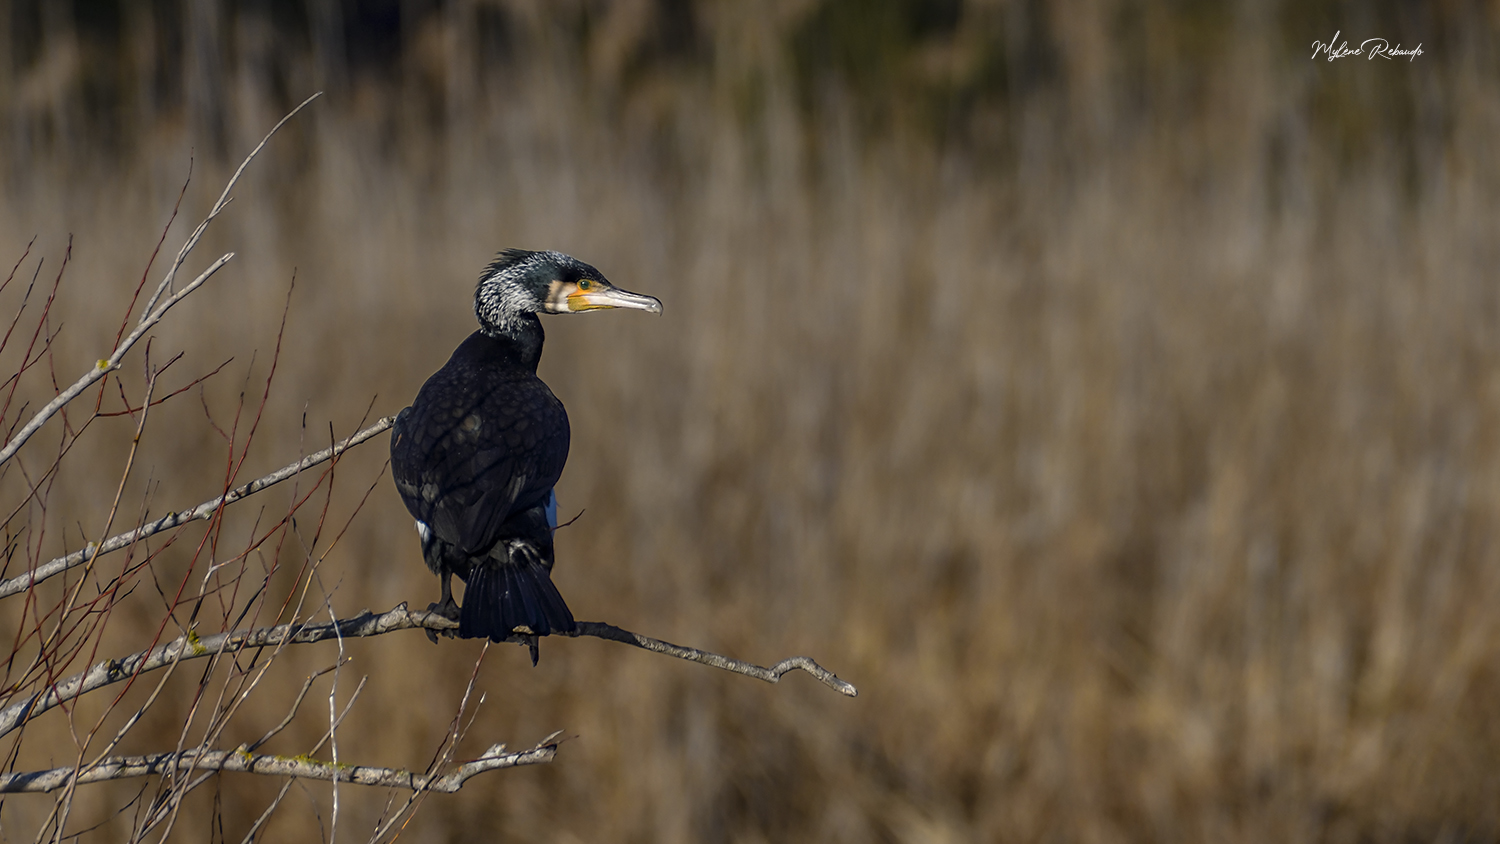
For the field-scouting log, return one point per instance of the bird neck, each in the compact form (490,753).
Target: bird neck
(521,333)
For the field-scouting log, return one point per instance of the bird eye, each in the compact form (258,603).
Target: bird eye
(584,284)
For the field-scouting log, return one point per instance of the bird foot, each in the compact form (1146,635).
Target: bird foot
(447,609)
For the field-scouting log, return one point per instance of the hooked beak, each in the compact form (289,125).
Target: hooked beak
(612,297)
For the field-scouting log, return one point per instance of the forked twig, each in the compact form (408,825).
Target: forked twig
(154,312)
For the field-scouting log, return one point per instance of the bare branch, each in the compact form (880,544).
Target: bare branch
(105,365)
(154,312)
(360,626)
(242,761)
(600,630)
(192,647)
(219,206)
(206,510)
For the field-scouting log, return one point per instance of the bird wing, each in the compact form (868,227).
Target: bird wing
(467,455)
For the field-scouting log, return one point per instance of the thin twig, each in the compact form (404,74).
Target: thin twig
(333,717)
(270,810)
(206,510)
(131,411)
(600,630)
(223,201)
(292,712)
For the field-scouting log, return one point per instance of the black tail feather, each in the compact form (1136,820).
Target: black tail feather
(528,605)
(498,599)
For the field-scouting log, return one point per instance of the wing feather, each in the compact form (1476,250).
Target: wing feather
(477,446)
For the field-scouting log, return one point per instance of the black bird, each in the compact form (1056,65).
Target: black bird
(476,455)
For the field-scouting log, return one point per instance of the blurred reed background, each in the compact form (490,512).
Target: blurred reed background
(1107,389)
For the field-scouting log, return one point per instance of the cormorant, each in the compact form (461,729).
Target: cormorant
(476,455)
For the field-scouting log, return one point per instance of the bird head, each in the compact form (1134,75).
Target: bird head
(520,282)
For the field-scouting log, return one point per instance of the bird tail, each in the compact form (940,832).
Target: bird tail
(499,599)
